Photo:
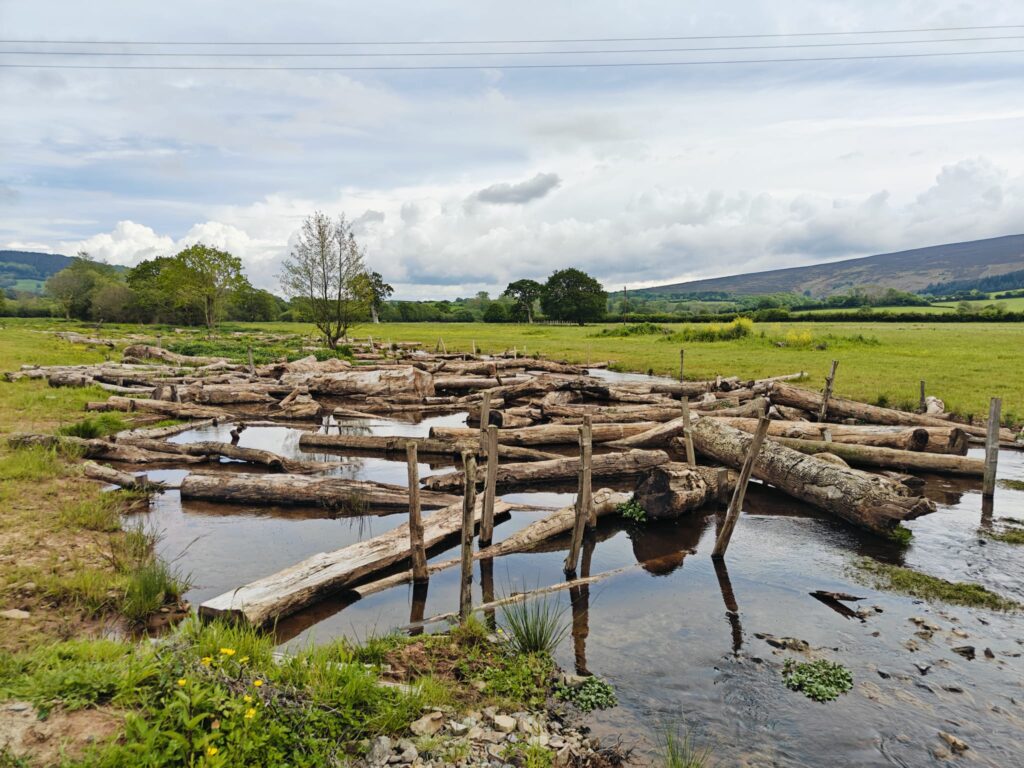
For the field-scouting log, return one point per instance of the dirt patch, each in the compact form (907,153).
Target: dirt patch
(62,735)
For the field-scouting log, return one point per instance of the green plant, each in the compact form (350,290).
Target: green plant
(926,587)
(632,510)
(528,755)
(91,427)
(522,680)
(593,693)
(534,626)
(678,751)
(30,463)
(818,680)
(151,586)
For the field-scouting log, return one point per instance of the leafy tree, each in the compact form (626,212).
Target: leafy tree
(374,291)
(571,294)
(496,313)
(253,305)
(113,302)
(524,294)
(205,275)
(324,267)
(73,287)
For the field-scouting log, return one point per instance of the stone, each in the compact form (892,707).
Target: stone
(458,729)
(504,723)
(428,725)
(379,752)
(967,651)
(989,654)
(959,746)
(15,613)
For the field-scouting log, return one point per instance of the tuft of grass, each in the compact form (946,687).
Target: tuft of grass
(901,535)
(593,693)
(31,463)
(917,584)
(91,427)
(678,751)
(818,680)
(149,588)
(535,626)
(100,513)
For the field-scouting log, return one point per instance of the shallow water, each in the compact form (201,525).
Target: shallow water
(677,636)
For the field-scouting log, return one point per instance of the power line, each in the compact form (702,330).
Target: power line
(385,54)
(574,65)
(517,42)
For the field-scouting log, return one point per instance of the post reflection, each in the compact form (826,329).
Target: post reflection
(487,586)
(579,598)
(732,609)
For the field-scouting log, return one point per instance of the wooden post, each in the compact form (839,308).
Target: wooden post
(923,405)
(582,503)
(829,381)
(468,514)
(444,349)
(473,342)
(988,486)
(733,513)
(159,341)
(419,555)
(691,455)
(682,354)
(252,364)
(485,411)
(586,456)
(721,483)
(490,487)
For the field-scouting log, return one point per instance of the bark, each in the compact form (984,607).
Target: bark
(388,444)
(948,439)
(890,458)
(293,588)
(116,477)
(546,434)
(354,497)
(147,352)
(624,414)
(172,410)
(675,489)
(875,503)
(468,383)
(158,433)
(380,382)
(625,464)
(102,449)
(657,436)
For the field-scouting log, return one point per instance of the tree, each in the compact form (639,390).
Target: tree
(496,313)
(374,291)
(205,275)
(73,287)
(324,267)
(524,293)
(571,294)
(253,305)
(113,302)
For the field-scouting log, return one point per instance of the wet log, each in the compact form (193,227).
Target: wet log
(546,434)
(624,464)
(620,394)
(948,439)
(467,383)
(875,503)
(167,408)
(889,458)
(126,480)
(488,367)
(840,408)
(159,433)
(378,382)
(340,494)
(293,588)
(676,489)
(389,444)
(657,436)
(147,352)
(624,414)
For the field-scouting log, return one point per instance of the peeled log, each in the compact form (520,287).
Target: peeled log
(546,434)
(147,352)
(948,439)
(381,382)
(890,458)
(624,414)
(657,436)
(623,464)
(174,410)
(872,502)
(675,489)
(112,476)
(337,493)
(293,588)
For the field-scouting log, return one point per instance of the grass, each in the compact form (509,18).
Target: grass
(1013,485)
(916,584)
(91,427)
(679,751)
(535,625)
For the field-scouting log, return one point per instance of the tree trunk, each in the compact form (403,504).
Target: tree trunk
(546,434)
(675,489)
(889,458)
(380,382)
(872,502)
(387,444)
(948,439)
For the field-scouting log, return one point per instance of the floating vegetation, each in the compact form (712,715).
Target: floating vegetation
(817,680)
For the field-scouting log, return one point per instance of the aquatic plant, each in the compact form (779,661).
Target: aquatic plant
(593,693)
(818,680)
(917,584)
(632,510)
(678,751)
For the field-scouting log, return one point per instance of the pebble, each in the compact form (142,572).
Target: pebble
(504,723)
(428,725)
(15,613)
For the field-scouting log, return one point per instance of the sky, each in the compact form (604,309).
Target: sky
(461,180)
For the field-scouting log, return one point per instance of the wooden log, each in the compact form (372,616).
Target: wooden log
(468,383)
(388,444)
(841,408)
(732,514)
(888,458)
(147,352)
(116,477)
(675,489)
(340,494)
(379,382)
(280,594)
(988,487)
(876,504)
(948,439)
(158,433)
(657,436)
(102,449)
(172,410)
(235,452)
(624,414)
(624,464)
(546,434)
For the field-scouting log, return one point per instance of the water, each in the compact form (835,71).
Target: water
(676,635)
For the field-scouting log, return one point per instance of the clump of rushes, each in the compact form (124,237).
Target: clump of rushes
(633,511)
(917,584)
(818,680)
(92,427)
(593,693)
(679,751)
(534,626)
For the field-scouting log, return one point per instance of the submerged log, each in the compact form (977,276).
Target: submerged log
(889,458)
(336,493)
(546,434)
(625,464)
(675,489)
(947,439)
(293,588)
(875,503)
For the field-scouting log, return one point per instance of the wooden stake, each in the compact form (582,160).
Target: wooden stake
(924,405)
(490,487)
(159,341)
(583,501)
(485,411)
(587,454)
(474,347)
(419,555)
(252,364)
(722,483)
(691,455)
(829,381)
(735,506)
(468,509)
(988,486)
(682,354)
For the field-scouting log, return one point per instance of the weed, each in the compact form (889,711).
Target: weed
(917,584)
(150,587)
(91,427)
(521,679)
(818,680)
(679,752)
(632,510)
(593,693)
(739,328)
(901,535)
(639,329)
(528,755)
(534,626)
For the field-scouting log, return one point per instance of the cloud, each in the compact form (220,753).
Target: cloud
(128,243)
(521,193)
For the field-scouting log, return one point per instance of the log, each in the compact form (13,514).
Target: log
(468,383)
(675,489)
(889,458)
(840,408)
(274,461)
(169,409)
(353,497)
(126,480)
(102,449)
(657,436)
(948,439)
(875,503)
(389,444)
(293,588)
(147,352)
(158,433)
(546,434)
(379,382)
(625,464)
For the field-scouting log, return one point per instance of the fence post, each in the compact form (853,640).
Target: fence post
(924,405)
(419,556)
(485,411)
(691,455)
(733,513)
(582,502)
(988,486)
(252,364)
(490,486)
(829,381)
(468,524)
(682,354)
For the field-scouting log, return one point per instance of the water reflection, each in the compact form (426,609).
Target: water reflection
(732,609)
(579,599)
(660,546)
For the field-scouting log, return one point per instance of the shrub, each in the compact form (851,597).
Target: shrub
(92,427)
(637,329)
(739,328)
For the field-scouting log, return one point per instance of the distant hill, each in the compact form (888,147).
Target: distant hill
(911,270)
(27,270)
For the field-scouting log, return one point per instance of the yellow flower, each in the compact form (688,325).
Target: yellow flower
(182,682)
(250,713)
(211,751)
(257,683)
(227,651)
(244,659)
(247,698)
(207,660)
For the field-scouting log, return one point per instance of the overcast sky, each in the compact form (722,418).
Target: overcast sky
(463,180)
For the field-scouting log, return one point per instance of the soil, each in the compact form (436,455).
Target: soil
(62,735)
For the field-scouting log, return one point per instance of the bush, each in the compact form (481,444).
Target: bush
(739,328)
(496,313)
(92,427)
(637,329)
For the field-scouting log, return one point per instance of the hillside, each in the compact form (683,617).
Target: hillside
(911,270)
(27,270)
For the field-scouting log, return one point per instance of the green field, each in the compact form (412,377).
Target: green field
(964,364)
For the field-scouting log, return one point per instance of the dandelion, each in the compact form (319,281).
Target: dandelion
(211,751)
(207,660)
(250,713)
(247,698)
(227,651)
(182,682)
(257,683)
